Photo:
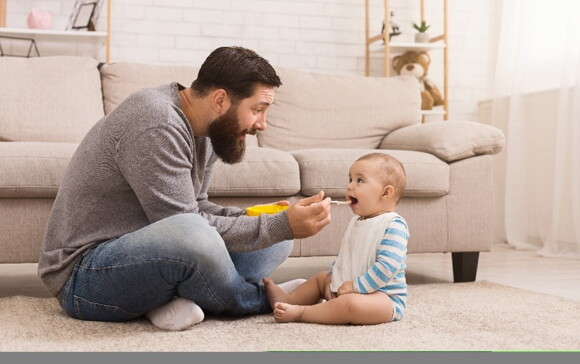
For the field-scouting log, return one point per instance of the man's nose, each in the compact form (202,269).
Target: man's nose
(261,123)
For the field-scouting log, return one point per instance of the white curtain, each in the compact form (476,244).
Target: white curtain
(537,99)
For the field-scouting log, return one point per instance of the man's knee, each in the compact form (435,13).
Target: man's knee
(257,264)
(185,235)
(283,250)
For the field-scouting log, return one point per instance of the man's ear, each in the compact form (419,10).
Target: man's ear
(220,101)
(388,192)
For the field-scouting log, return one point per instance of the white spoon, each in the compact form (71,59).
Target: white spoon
(340,202)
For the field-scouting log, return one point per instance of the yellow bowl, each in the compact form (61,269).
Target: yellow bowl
(264,209)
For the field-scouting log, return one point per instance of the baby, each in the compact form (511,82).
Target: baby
(366,284)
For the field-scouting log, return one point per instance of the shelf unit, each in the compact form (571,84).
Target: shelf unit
(2,13)
(65,35)
(435,43)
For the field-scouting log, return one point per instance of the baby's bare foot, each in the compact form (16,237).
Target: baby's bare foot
(285,312)
(275,293)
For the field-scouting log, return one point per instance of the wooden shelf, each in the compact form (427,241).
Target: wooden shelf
(60,35)
(403,47)
(2,13)
(396,47)
(433,112)
(439,42)
(56,35)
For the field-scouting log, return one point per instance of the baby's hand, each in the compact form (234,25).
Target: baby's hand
(328,294)
(345,288)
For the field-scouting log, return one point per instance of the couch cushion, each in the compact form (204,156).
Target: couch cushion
(327,169)
(33,169)
(123,78)
(313,110)
(263,172)
(448,140)
(49,99)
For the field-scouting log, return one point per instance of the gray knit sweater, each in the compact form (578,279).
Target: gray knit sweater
(137,165)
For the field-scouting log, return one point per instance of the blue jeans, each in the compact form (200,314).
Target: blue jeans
(123,278)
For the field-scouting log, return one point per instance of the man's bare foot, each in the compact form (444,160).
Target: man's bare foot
(285,312)
(275,293)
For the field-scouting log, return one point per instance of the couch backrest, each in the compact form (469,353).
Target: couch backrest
(310,110)
(49,99)
(123,78)
(316,110)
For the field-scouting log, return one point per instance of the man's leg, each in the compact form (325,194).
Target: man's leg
(259,264)
(179,256)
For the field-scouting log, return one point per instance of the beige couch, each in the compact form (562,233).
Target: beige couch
(318,125)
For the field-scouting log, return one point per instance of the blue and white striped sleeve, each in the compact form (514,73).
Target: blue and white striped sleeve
(391,255)
(331,267)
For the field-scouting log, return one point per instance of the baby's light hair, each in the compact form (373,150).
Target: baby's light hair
(392,171)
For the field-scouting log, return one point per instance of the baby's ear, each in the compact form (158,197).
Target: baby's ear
(388,192)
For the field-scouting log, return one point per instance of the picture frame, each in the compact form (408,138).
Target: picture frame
(84,16)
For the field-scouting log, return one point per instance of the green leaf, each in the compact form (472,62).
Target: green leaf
(421,28)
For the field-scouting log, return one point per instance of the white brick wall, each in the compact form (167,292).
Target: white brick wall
(315,35)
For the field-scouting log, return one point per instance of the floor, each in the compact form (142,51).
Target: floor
(504,265)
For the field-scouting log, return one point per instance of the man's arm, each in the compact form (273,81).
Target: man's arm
(202,199)
(157,165)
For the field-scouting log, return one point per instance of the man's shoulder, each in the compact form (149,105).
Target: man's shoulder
(148,112)
(155,105)
(154,96)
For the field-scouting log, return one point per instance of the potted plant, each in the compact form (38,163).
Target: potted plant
(422,36)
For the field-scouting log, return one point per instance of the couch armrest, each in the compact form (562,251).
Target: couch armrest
(448,140)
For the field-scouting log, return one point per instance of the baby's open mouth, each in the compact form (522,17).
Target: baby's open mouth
(353,201)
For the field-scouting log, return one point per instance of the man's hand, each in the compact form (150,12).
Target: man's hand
(308,216)
(282,203)
(328,294)
(346,288)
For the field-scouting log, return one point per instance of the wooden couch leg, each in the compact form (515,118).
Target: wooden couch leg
(464,266)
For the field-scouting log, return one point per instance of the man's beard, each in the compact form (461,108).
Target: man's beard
(225,135)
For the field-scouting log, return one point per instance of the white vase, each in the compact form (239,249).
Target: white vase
(422,38)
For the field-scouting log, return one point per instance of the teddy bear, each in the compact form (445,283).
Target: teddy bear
(416,63)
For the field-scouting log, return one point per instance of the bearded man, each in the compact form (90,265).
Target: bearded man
(132,232)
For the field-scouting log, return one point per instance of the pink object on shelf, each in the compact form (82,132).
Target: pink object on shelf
(39,19)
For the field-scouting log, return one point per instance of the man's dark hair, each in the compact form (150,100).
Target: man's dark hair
(237,70)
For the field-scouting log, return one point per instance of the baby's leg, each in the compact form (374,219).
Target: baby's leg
(353,308)
(308,293)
